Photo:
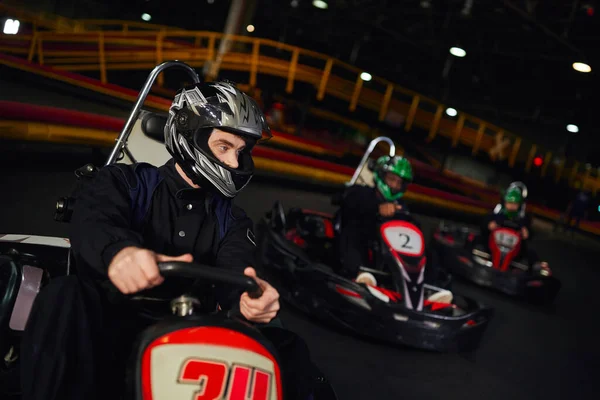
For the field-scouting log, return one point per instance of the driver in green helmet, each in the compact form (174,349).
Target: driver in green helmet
(364,205)
(511,214)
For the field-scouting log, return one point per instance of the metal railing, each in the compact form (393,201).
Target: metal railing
(87,48)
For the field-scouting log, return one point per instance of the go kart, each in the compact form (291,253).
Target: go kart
(220,353)
(495,263)
(299,254)
(185,354)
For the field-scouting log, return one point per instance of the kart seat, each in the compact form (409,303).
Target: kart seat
(146,141)
(291,249)
(153,125)
(365,177)
(310,225)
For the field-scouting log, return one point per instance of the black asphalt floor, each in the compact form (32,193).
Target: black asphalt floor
(527,352)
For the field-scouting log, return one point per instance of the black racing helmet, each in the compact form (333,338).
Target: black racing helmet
(195,112)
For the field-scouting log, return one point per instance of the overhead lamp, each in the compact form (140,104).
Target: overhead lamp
(451,112)
(365,76)
(320,4)
(294,3)
(210,1)
(146,17)
(11,26)
(582,67)
(457,52)
(572,128)
(250,28)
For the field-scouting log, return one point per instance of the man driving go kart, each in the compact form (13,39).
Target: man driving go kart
(363,207)
(210,133)
(510,211)
(511,214)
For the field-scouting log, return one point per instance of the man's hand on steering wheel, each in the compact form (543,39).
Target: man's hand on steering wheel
(134,269)
(493,225)
(264,308)
(524,233)
(389,209)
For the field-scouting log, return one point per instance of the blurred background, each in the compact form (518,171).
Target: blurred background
(483,93)
(475,93)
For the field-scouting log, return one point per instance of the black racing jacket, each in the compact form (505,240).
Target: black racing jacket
(360,209)
(179,220)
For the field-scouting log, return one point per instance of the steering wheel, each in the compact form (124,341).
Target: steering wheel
(216,275)
(403,214)
(184,304)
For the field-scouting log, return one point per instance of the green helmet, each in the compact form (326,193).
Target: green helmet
(513,195)
(396,165)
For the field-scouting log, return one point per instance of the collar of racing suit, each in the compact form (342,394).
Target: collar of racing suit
(178,185)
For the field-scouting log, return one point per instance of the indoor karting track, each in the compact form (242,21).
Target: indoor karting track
(526,353)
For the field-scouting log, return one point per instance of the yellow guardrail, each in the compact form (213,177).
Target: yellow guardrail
(86,47)
(57,133)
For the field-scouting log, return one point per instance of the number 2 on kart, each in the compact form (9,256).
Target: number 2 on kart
(245,383)
(406,241)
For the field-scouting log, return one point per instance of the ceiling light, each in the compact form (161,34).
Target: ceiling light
(294,3)
(457,52)
(451,112)
(572,128)
(250,28)
(146,17)
(11,26)
(581,67)
(210,1)
(320,4)
(365,76)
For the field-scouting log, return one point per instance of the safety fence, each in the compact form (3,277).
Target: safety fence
(315,147)
(19,121)
(292,142)
(107,46)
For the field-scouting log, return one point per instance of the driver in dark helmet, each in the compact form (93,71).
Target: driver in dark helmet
(210,132)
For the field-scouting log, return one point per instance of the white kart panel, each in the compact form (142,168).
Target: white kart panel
(213,369)
(39,240)
(405,239)
(31,281)
(507,239)
(145,149)
(365,177)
